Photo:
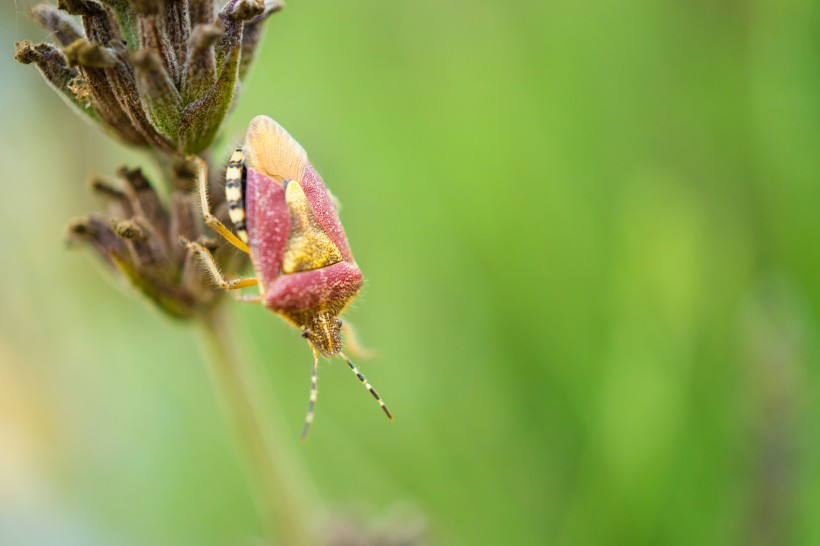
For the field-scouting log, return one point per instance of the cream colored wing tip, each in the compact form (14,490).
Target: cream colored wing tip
(267,131)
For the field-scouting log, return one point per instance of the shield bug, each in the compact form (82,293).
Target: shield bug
(286,220)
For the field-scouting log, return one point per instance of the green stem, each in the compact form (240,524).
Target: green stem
(283,492)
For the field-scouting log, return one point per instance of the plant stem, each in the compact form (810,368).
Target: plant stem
(283,492)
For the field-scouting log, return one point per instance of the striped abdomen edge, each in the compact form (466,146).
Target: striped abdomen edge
(235,179)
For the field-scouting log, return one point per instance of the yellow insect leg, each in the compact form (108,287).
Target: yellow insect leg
(354,346)
(209,218)
(209,262)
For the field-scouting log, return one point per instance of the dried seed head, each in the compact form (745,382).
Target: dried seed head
(140,242)
(160,74)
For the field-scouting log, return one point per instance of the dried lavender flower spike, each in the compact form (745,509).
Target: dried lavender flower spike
(155,73)
(135,243)
(160,74)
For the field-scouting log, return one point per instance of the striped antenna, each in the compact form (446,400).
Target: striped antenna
(314,393)
(367,385)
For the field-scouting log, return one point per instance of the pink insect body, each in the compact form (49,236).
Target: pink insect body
(286,219)
(298,246)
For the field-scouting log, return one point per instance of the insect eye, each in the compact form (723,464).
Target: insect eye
(339,323)
(306,334)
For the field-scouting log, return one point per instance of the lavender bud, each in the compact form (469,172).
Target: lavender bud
(84,53)
(160,99)
(143,241)
(144,199)
(123,83)
(61,27)
(95,231)
(53,67)
(233,16)
(201,119)
(99,22)
(200,68)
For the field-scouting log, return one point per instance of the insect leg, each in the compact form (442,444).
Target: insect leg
(248,298)
(208,260)
(210,219)
(354,346)
(367,385)
(314,393)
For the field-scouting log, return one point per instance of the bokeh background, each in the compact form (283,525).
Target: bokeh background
(590,234)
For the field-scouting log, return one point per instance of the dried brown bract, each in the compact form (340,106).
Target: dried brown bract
(159,74)
(139,239)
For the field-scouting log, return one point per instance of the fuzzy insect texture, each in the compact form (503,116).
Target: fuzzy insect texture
(288,223)
(297,244)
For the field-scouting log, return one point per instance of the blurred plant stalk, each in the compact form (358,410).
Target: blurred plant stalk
(280,483)
(161,75)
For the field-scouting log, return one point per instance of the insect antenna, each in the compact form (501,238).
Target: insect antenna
(314,393)
(367,385)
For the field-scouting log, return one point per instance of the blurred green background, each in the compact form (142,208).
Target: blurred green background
(590,236)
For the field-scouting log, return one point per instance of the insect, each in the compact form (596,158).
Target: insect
(286,220)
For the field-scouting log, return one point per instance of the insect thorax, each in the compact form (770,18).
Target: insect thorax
(235,183)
